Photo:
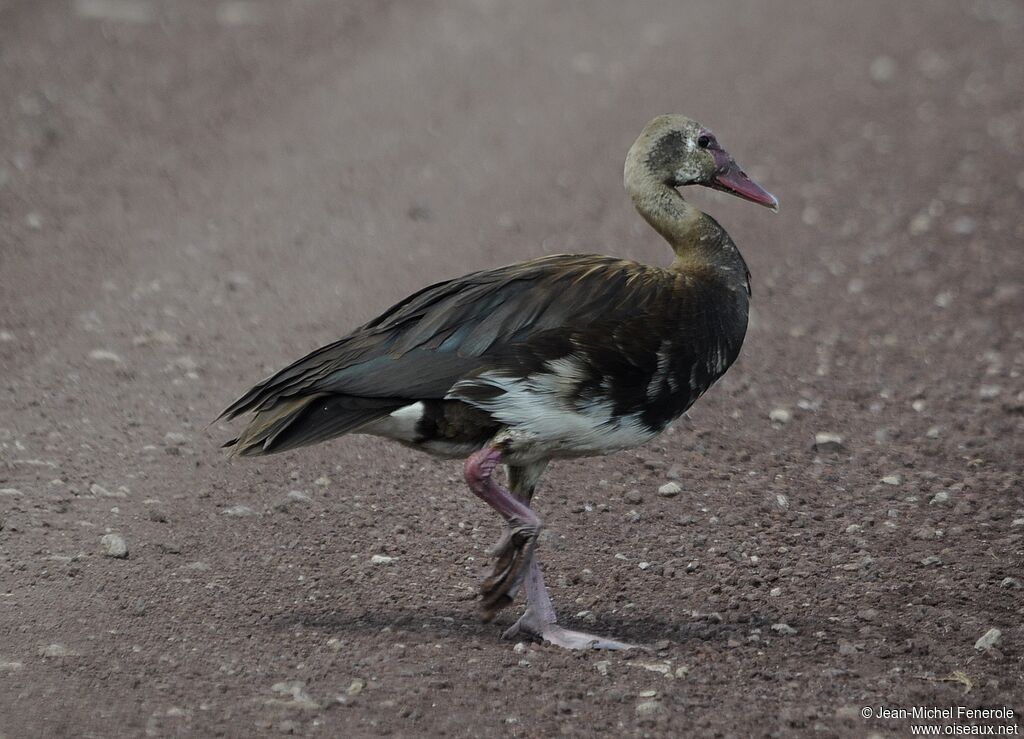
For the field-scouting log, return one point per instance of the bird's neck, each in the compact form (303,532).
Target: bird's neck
(698,241)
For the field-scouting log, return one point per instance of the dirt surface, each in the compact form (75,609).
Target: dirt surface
(194,193)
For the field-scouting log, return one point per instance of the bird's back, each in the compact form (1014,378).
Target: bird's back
(589,348)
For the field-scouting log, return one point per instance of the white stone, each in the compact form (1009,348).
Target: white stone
(989,392)
(827,441)
(989,640)
(105,355)
(670,489)
(239,511)
(883,68)
(56,651)
(114,546)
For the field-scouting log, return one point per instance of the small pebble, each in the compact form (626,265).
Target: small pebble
(602,667)
(381,559)
(826,441)
(989,640)
(56,651)
(920,224)
(238,511)
(175,438)
(784,629)
(883,68)
(299,697)
(892,480)
(519,648)
(670,489)
(105,355)
(634,497)
(964,226)
(940,498)
(356,687)
(780,416)
(1010,582)
(114,546)
(648,708)
(96,489)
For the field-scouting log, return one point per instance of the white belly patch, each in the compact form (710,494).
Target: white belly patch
(544,412)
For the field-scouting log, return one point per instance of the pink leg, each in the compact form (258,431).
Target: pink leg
(517,560)
(500,589)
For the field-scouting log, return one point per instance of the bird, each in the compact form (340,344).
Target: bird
(558,357)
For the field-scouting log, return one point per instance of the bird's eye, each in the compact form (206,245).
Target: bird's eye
(704,141)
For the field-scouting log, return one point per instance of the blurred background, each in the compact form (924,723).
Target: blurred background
(193,193)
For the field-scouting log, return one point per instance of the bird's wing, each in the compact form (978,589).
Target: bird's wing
(422,346)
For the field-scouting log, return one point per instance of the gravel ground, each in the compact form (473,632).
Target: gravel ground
(194,193)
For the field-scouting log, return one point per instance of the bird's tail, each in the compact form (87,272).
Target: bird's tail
(298,421)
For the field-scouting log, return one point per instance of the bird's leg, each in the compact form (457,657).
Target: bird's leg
(500,589)
(522,481)
(540,620)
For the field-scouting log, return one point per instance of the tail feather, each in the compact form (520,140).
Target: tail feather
(295,422)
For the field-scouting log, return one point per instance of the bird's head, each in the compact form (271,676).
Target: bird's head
(677,151)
